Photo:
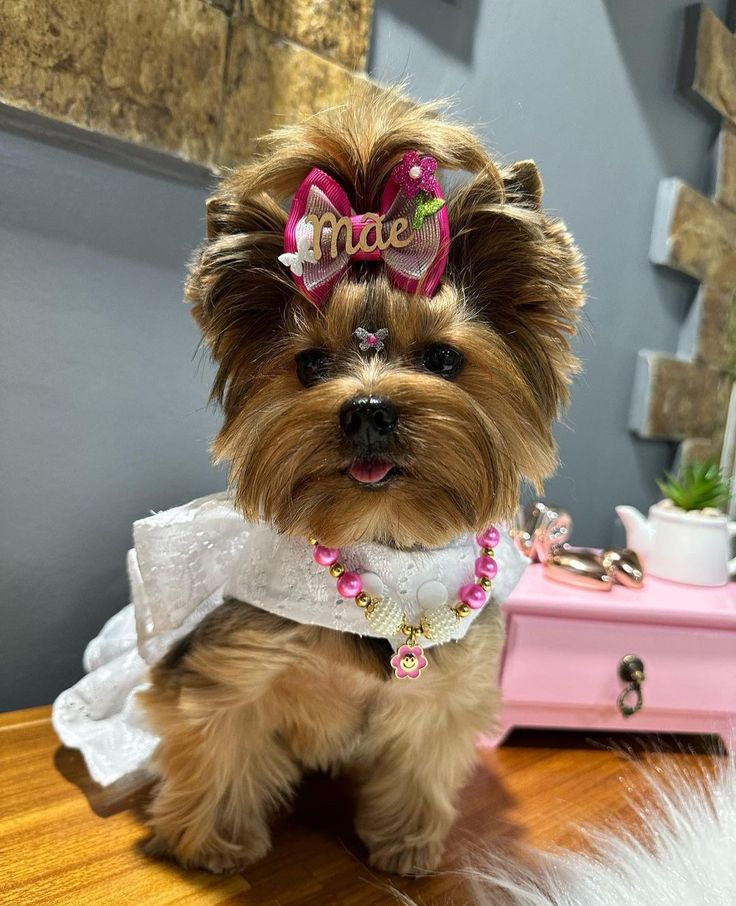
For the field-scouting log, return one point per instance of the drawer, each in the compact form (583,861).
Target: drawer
(561,661)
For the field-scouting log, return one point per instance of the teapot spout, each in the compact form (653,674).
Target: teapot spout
(639,533)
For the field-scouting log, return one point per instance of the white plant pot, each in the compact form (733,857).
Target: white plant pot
(689,547)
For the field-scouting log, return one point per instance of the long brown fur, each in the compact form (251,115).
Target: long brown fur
(250,700)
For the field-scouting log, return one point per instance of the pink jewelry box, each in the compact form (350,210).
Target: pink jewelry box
(564,647)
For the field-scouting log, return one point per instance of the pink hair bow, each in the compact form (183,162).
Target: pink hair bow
(410,233)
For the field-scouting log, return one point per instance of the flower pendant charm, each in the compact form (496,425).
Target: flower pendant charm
(409,661)
(371,341)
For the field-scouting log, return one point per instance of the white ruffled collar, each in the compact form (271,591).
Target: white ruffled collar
(188,559)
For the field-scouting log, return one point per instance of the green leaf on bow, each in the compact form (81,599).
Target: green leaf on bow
(426,206)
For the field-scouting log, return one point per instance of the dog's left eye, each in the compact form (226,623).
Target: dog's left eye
(313,366)
(442,360)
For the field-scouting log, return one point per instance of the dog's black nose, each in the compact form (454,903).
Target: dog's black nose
(366,420)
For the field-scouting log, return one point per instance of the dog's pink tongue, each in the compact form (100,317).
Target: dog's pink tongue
(370,473)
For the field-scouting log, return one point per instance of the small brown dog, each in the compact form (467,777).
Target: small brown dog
(408,448)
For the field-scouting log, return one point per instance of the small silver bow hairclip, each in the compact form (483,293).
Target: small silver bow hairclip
(370,340)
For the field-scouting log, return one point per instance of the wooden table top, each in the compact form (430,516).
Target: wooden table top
(63,840)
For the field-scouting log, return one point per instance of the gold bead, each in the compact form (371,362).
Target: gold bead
(463,610)
(336,570)
(313,541)
(411,632)
(487,552)
(485,583)
(362,600)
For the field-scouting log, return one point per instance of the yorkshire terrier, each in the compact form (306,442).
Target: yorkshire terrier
(389,380)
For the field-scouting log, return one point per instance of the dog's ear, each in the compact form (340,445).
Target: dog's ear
(521,271)
(238,289)
(523,184)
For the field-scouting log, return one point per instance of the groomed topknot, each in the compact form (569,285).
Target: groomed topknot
(358,142)
(511,264)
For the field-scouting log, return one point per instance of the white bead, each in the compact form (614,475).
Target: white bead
(385,618)
(442,624)
(372,584)
(415,172)
(432,594)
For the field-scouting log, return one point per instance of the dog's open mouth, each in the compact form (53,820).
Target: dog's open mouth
(373,474)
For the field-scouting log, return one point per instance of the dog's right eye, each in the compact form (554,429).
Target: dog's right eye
(313,366)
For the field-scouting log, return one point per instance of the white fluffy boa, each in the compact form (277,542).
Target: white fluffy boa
(681,851)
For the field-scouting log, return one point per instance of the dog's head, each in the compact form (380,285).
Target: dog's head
(425,432)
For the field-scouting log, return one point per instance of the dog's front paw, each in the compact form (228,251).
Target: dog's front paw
(217,855)
(400,859)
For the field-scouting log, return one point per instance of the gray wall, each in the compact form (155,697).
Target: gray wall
(586,88)
(102,409)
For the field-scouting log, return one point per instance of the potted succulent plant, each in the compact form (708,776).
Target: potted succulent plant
(687,536)
(698,487)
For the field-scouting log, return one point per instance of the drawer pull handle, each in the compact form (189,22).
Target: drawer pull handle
(631,671)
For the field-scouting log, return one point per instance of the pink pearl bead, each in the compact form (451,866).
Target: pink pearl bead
(326,556)
(473,595)
(486,566)
(489,538)
(349,585)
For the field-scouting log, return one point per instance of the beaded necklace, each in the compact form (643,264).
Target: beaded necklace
(385,616)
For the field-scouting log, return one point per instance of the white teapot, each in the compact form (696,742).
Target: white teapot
(689,547)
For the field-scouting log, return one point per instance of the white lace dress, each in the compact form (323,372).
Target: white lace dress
(186,560)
